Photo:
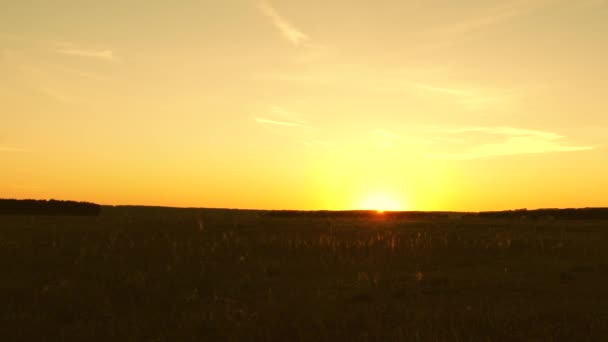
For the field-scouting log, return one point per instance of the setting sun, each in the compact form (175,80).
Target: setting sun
(382,202)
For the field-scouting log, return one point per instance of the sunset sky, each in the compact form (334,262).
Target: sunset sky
(292,104)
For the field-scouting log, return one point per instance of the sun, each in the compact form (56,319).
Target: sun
(382,202)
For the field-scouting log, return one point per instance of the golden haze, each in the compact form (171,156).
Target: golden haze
(436,105)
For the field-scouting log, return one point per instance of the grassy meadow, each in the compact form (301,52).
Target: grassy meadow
(160,274)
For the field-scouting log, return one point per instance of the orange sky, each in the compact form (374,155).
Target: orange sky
(434,105)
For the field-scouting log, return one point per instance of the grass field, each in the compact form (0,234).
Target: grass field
(154,274)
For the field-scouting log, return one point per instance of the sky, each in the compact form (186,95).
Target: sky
(285,104)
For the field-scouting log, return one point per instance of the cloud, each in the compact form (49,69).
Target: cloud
(505,130)
(285,123)
(492,17)
(431,83)
(437,89)
(513,141)
(280,117)
(469,97)
(265,121)
(107,55)
(66,48)
(479,23)
(291,33)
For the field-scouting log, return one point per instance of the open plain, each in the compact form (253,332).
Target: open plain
(162,274)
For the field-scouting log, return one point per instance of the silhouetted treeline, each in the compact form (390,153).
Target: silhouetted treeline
(50,207)
(547,214)
(314,213)
(558,214)
(357,214)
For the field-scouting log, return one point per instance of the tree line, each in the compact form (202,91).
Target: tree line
(535,214)
(558,214)
(48,207)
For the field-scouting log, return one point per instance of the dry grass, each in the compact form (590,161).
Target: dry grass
(138,274)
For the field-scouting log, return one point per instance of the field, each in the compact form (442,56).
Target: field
(159,274)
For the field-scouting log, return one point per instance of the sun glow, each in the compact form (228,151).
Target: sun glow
(382,202)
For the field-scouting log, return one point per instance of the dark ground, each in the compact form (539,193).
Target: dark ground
(157,274)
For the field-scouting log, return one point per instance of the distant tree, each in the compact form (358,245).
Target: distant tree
(50,207)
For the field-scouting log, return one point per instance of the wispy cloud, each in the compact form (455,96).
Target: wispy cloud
(491,17)
(438,89)
(279,117)
(292,125)
(66,48)
(99,54)
(70,49)
(265,121)
(504,130)
(512,141)
(503,13)
(289,31)
(471,98)
(479,23)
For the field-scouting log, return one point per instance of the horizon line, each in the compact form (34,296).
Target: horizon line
(317,210)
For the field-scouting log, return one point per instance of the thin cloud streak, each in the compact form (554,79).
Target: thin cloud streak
(285,123)
(449,35)
(495,16)
(291,33)
(432,88)
(278,123)
(470,97)
(506,130)
(280,117)
(516,141)
(392,81)
(107,55)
